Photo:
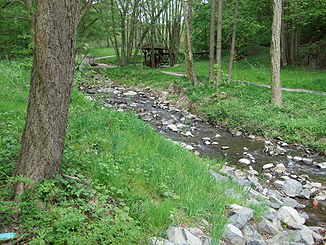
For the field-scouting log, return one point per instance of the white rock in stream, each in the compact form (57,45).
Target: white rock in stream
(172,127)
(297,159)
(189,134)
(225,147)
(245,161)
(189,147)
(130,93)
(218,136)
(279,168)
(206,138)
(207,142)
(322,165)
(268,166)
(215,143)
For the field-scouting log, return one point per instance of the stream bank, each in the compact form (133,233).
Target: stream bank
(281,174)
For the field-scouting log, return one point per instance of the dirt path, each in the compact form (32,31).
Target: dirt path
(104,57)
(179,74)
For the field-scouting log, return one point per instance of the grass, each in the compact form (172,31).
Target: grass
(257,69)
(254,68)
(129,182)
(247,108)
(101,52)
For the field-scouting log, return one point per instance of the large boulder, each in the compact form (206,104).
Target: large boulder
(290,217)
(232,233)
(292,188)
(241,217)
(265,226)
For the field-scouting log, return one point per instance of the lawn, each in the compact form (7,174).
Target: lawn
(101,52)
(256,69)
(123,182)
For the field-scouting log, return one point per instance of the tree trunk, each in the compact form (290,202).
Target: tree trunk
(51,80)
(275,53)
(212,42)
(191,73)
(234,33)
(219,43)
(31,19)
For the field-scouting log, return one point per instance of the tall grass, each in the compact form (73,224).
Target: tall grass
(159,182)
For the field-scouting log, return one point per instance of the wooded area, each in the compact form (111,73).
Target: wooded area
(146,42)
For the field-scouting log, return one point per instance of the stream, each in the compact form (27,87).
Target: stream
(214,142)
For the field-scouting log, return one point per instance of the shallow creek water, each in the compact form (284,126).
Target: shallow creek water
(160,114)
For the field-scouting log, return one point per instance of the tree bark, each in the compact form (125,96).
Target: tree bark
(219,43)
(212,42)
(276,53)
(233,42)
(51,80)
(190,67)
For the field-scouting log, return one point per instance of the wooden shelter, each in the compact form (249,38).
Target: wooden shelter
(155,56)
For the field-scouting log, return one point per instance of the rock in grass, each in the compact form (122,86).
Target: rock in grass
(290,217)
(180,235)
(292,188)
(218,176)
(159,241)
(241,217)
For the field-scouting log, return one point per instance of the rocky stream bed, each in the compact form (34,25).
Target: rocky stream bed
(290,179)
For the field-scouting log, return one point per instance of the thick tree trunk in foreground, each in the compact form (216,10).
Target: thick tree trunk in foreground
(219,43)
(52,76)
(191,73)
(276,53)
(234,34)
(212,42)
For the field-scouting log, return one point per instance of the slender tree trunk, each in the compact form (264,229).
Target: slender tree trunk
(212,42)
(116,47)
(275,53)
(219,43)
(51,80)
(31,19)
(233,42)
(191,73)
